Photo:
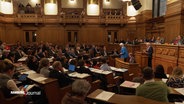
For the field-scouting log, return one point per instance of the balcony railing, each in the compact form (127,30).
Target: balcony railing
(70,18)
(114,19)
(28,18)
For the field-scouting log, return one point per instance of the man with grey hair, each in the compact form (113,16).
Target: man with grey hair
(123,52)
(149,52)
(78,94)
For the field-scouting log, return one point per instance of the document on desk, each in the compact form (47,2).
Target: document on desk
(106,72)
(74,74)
(118,69)
(130,84)
(180,90)
(39,79)
(105,95)
(84,75)
(22,59)
(164,80)
(179,102)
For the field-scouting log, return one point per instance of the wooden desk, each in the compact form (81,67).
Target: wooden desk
(50,86)
(123,73)
(108,75)
(133,68)
(142,59)
(123,99)
(131,90)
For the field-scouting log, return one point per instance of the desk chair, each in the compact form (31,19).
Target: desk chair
(169,70)
(65,90)
(112,82)
(95,85)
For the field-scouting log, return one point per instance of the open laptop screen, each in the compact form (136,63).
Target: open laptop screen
(71,67)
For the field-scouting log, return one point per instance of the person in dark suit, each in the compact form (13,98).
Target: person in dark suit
(149,52)
(58,73)
(82,69)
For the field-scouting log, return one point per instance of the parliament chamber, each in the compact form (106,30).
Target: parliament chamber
(72,51)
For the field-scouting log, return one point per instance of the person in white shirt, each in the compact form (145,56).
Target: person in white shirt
(104,65)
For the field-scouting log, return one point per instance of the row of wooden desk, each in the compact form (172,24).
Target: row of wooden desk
(121,99)
(51,88)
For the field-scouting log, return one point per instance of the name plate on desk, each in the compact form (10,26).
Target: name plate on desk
(129,84)
(104,95)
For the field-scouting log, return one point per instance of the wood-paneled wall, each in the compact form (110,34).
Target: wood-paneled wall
(92,32)
(57,34)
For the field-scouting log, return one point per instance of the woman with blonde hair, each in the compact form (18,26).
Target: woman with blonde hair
(176,80)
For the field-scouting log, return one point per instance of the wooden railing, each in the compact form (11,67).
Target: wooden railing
(67,18)
(114,19)
(72,19)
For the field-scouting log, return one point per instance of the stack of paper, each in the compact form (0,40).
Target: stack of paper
(78,75)
(130,84)
(105,95)
(22,59)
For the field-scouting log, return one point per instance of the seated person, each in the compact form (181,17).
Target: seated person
(115,52)
(80,88)
(10,58)
(58,73)
(132,59)
(82,69)
(159,72)
(151,89)
(44,67)
(32,62)
(6,81)
(104,65)
(176,80)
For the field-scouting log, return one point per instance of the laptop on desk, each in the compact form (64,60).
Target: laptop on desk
(71,68)
(22,77)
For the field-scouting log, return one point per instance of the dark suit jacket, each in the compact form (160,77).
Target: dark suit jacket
(83,70)
(150,51)
(63,79)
